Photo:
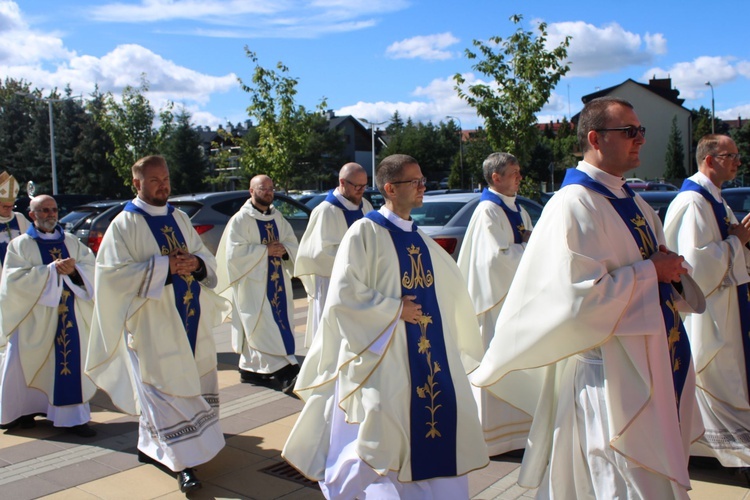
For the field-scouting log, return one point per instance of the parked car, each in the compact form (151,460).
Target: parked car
(445,217)
(433,192)
(738,199)
(90,221)
(659,200)
(210,212)
(661,186)
(373,196)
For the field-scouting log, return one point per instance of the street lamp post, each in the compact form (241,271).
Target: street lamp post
(53,160)
(372,130)
(460,148)
(713,116)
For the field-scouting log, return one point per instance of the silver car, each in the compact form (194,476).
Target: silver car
(210,212)
(445,217)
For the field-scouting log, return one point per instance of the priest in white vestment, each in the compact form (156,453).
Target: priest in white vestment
(152,348)
(12,224)
(46,303)
(256,261)
(328,223)
(595,308)
(492,248)
(701,226)
(388,408)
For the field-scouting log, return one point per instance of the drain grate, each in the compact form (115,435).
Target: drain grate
(285,471)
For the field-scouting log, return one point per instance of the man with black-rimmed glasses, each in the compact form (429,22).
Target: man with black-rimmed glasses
(329,221)
(701,225)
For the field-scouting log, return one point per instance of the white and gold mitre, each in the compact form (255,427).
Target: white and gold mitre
(8,188)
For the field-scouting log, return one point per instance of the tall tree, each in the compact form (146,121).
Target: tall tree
(322,155)
(741,137)
(282,126)
(524,73)
(674,159)
(130,125)
(188,166)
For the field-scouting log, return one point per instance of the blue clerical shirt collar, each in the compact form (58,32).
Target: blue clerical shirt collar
(404,225)
(150,209)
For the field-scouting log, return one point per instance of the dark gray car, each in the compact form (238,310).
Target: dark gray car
(210,212)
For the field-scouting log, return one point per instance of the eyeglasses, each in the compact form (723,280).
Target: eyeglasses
(731,156)
(264,190)
(355,186)
(415,183)
(46,211)
(630,131)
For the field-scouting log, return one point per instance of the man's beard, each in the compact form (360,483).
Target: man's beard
(46,225)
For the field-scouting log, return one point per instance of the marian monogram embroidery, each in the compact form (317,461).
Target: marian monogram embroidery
(639,224)
(429,389)
(276,278)
(172,241)
(418,278)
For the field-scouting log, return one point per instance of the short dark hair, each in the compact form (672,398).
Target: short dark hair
(708,145)
(389,169)
(145,162)
(496,163)
(594,117)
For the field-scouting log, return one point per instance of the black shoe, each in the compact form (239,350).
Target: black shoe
(188,481)
(83,430)
(248,377)
(287,386)
(27,422)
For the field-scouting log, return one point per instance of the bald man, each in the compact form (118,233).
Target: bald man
(329,222)
(46,303)
(256,259)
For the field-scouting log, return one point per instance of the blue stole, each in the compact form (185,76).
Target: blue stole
(187,290)
(743,291)
(433,408)
(351,216)
(67,385)
(275,288)
(677,340)
(10,226)
(516,222)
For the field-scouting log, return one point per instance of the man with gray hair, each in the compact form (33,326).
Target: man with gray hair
(329,222)
(389,412)
(492,248)
(46,303)
(701,225)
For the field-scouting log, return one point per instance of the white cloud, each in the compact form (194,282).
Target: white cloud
(594,50)
(742,110)
(252,18)
(23,45)
(430,47)
(690,77)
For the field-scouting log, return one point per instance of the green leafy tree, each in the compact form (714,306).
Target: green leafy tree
(675,156)
(17,116)
(130,126)
(524,73)
(322,156)
(741,137)
(476,149)
(283,127)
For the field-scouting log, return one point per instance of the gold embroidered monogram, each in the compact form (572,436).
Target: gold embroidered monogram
(271,234)
(275,276)
(639,223)
(56,253)
(62,339)
(172,241)
(429,389)
(418,278)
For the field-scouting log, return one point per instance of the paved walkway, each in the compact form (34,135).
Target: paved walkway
(46,463)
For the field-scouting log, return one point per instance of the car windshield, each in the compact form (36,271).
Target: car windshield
(76,216)
(436,214)
(189,208)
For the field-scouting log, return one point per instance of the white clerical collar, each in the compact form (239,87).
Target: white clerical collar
(612,182)
(48,236)
(5,220)
(405,225)
(150,209)
(510,201)
(347,204)
(702,180)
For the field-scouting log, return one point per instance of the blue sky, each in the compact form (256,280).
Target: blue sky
(368,58)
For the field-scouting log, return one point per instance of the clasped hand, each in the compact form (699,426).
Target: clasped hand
(668,265)
(65,266)
(182,263)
